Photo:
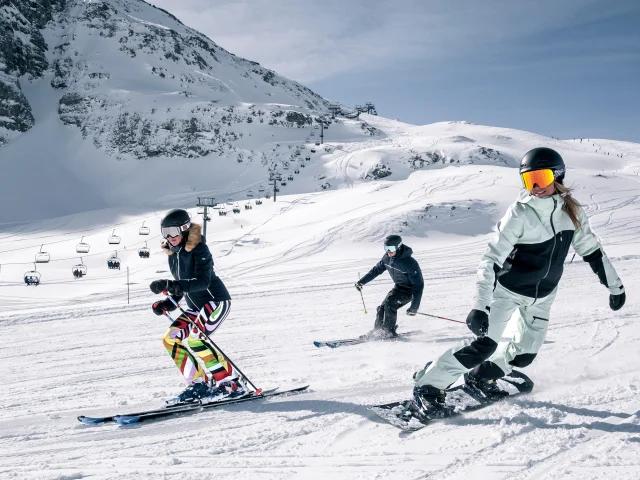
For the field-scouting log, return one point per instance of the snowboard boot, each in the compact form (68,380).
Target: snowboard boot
(487,388)
(429,402)
(193,393)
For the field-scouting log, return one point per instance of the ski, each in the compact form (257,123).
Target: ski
(460,399)
(137,418)
(172,408)
(363,339)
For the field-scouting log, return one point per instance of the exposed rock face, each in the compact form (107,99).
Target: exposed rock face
(22,52)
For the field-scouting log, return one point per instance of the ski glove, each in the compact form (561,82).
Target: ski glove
(359,286)
(412,311)
(616,302)
(478,322)
(163,306)
(171,286)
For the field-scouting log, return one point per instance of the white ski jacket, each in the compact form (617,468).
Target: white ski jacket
(529,247)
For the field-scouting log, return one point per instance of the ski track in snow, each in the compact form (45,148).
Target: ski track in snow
(291,267)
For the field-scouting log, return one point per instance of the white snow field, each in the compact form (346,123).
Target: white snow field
(76,347)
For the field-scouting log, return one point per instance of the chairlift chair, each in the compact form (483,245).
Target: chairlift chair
(42,257)
(79,270)
(200,210)
(317,144)
(236,210)
(283,184)
(82,247)
(114,262)
(32,277)
(114,239)
(261,189)
(144,252)
(258,202)
(207,218)
(290,177)
(229,201)
(144,230)
(296,171)
(313,150)
(249,193)
(222,212)
(312,134)
(267,196)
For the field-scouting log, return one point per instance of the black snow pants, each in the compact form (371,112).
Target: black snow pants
(387,313)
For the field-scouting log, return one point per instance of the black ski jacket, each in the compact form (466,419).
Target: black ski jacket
(405,273)
(192,266)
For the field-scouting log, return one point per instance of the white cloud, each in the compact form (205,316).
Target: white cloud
(313,40)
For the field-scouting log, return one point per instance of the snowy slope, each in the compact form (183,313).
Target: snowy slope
(76,346)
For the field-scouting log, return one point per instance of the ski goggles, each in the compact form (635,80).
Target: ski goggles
(174,231)
(541,178)
(391,248)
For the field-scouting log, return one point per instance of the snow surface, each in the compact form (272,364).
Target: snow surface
(77,347)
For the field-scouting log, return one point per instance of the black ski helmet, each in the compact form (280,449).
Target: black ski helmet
(393,241)
(541,158)
(175,218)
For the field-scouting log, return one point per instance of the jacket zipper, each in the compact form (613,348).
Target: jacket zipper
(178,255)
(553,228)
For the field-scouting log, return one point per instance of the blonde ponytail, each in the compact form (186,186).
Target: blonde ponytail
(571,207)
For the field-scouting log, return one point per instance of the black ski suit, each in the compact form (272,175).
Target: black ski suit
(407,276)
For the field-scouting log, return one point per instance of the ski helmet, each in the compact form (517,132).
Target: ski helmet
(543,158)
(392,243)
(175,222)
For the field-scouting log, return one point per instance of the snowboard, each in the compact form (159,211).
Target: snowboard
(460,399)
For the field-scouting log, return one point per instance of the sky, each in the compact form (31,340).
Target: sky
(566,69)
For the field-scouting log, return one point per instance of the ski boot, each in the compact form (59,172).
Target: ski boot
(484,389)
(229,388)
(193,393)
(380,334)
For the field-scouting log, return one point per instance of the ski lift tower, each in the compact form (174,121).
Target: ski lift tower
(334,108)
(207,203)
(274,177)
(371,108)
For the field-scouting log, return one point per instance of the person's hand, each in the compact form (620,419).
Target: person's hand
(162,306)
(158,286)
(478,322)
(359,286)
(412,311)
(616,302)
(174,288)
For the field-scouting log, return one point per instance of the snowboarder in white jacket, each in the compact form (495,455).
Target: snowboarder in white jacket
(408,285)
(519,273)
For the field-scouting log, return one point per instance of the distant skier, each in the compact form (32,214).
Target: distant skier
(519,273)
(407,276)
(208,303)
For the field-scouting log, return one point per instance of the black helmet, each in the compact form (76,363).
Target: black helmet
(542,158)
(393,241)
(175,222)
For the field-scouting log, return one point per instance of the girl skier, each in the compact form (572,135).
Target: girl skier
(208,303)
(519,271)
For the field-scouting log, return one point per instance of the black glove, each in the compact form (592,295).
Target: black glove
(162,306)
(359,286)
(616,302)
(412,311)
(478,322)
(174,288)
(158,286)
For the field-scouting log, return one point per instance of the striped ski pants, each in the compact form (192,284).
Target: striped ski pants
(196,359)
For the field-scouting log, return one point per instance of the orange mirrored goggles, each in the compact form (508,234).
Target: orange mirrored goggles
(542,178)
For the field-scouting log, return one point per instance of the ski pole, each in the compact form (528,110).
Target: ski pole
(212,343)
(441,318)
(362,297)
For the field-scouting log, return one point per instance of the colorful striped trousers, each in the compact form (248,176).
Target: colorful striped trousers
(182,334)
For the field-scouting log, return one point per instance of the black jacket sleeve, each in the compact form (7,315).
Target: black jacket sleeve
(373,273)
(202,270)
(417,282)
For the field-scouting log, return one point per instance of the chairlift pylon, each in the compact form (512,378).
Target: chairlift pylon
(82,247)
(42,257)
(79,270)
(144,230)
(114,239)
(32,277)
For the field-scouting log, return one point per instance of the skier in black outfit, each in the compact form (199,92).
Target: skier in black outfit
(407,276)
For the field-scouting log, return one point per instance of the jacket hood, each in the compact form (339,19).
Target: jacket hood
(194,238)
(405,252)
